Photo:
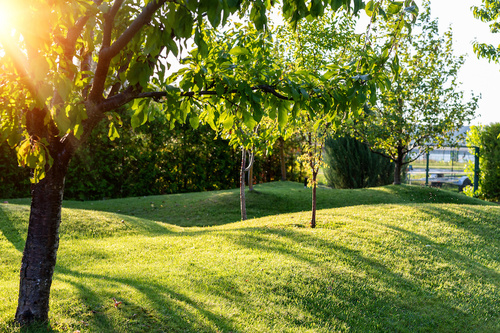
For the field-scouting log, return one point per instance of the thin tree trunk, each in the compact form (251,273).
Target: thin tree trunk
(282,158)
(314,172)
(313,217)
(40,252)
(242,185)
(250,178)
(398,166)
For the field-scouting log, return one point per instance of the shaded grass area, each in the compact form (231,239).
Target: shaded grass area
(391,259)
(222,207)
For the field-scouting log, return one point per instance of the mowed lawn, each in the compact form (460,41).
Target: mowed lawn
(389,259)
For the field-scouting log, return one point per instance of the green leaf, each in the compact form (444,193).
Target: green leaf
(139,117)
(152,45)
(41,68)
(31,161)
(64,87)
(369,8)
(62,121)
(194,120)
(248,120)
(202,45)
(185,109)
(104,7)
(395,7)
(138,73)
(295,109)
(238,50)
(214,13)
(282,115)
(184,23)
(316,8)
(228,122)
(113,132)
(373,93)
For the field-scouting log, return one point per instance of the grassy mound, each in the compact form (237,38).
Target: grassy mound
(396,258)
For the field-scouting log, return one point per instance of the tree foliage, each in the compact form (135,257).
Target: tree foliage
(488,12)
(14,180)
(421,105)
(486,138)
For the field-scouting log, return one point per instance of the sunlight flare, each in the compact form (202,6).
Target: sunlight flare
(9,17)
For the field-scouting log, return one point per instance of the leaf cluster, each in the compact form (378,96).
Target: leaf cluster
(488,12)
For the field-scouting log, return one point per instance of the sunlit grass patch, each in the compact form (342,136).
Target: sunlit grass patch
(405,259)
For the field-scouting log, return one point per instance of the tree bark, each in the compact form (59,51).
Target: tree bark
(282,158)
(397,173)
(250,178)
(313,216)
(398,166)
(40,252)
(242,185)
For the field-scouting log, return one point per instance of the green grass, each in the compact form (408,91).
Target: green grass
(389,259)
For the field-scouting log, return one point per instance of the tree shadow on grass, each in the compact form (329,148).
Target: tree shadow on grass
(312,283)
(165,311)
(222,207)
(373,298)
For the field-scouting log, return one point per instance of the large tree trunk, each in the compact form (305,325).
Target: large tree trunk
(282,158)
(39,257)
(397,174)
(242,185)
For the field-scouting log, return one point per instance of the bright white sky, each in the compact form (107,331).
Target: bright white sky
(476,75)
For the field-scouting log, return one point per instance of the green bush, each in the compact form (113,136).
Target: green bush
(151,160)
(351,164)
(487,139)
(14,180)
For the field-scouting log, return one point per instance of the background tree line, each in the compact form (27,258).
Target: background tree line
(151,160)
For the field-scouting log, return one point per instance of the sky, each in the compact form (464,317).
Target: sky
(476,75)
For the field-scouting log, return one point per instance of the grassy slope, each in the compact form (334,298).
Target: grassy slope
(402,259)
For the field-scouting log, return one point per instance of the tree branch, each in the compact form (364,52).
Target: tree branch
(109,52)
(132,93)
(109,19)
(74,32)
(137,25)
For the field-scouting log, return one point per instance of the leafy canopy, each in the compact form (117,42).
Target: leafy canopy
(66,66)
(421,104)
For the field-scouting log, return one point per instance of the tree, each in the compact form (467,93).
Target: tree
(420,107)
(67,66)
(308,48)
(313,134)
(252,143)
